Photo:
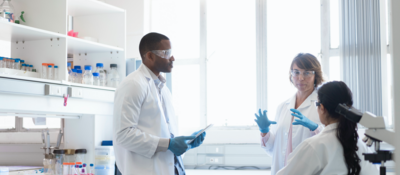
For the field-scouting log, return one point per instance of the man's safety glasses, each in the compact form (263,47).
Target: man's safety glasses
(167,54)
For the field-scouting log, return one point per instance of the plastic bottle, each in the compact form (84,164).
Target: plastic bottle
(55,72)
(1,62)
(7,11)
(21,62)
(44,70)
(102,74)
(72,76)
(49,72)
(114,76)
(96,79)
(23,68)
(77,170)
(77,67)
(79,76)
(91,172)
(16,64)
(88,76)
(69,71)
(30,68)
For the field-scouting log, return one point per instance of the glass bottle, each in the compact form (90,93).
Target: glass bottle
(88,76)
(114,76)
(55,72)
(7,11)
(102,74)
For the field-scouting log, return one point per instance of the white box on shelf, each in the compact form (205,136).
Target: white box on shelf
(13,72)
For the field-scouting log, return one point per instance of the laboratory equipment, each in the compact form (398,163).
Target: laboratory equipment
(69,156)
(77,67)
(102,74)
(55,72)
(88,76)
(96,79)
(82,170)
(21,62)
(114,78)
(30,68)
(79,76)
(48,164)
(80,156)
(7,10)
(23,68)
(49,72)
(76,170)
(69,71)
(1,62)
(72,77)
(66,168)
(104,160)
(59,137)
(44,70)
(91,169)
(33,70)
(16,64)
(8,62)
(59,161)
(85,169)
(376,132)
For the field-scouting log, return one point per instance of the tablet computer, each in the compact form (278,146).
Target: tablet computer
(201,132)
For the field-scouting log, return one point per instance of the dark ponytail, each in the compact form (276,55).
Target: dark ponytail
(330,95)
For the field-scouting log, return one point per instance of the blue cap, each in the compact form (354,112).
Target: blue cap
(77,67)
(49,66)
(1,58)
(73,70)
(107,143)
(84,164)
(32,66)
(55,66)
(76,166)
(96,74)
(17,61)
(68,64)
(79,71)
(99,65)
(80,166)
(91,164)
(88,67)
(23,64)
(22,61)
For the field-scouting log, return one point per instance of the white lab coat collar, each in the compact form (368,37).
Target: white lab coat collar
(159,81)
(309,101)
(330,127)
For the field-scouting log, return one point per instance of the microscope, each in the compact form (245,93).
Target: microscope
(375,133)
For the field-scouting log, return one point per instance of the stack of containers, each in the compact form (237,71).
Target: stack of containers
(105,160)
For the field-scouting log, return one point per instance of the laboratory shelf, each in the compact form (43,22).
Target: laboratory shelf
(78,45)
(91,7)
(19,73)
(88,86)
(18,32)
(30,78)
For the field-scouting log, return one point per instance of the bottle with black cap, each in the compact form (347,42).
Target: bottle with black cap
(59,160)
(114,79)
(80,156)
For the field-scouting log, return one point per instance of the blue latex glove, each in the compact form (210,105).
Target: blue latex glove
(263,122)
(303,120)
(178,145)
(198,141)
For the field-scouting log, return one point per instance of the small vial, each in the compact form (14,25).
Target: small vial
(1,62)
(91,172)
(49,72)
(55,72)
(69,71)
(96,79)
(23,68)
(30,68)
(44,70)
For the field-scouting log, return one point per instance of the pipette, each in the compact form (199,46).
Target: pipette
(59,139)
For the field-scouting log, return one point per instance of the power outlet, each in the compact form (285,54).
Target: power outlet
(214,160)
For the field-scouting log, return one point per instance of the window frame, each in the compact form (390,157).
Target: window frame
(19,127)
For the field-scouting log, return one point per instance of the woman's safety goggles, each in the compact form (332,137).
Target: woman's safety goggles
(167,54)
(306,74)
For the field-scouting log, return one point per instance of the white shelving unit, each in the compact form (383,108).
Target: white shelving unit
(43,38)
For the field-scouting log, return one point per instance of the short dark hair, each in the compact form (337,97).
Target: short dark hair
(308,62)
(150,42)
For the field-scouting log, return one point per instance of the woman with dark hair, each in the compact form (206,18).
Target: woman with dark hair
(337,149)
(292,127)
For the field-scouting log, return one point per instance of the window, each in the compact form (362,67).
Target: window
(7,122)
(17,124)
(289,35)
(231,62)
(334,23)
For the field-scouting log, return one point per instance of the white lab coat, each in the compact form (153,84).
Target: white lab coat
(323,155)
(277,143)
(139,123)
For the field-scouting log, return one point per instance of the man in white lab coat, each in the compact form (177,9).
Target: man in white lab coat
(145,126)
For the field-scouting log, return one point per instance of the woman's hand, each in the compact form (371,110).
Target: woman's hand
(262,121)
(303,120)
